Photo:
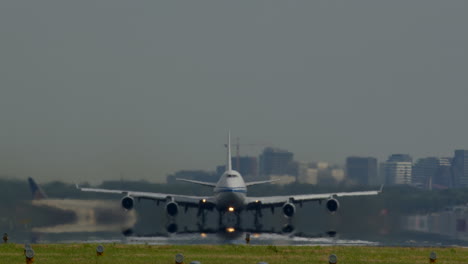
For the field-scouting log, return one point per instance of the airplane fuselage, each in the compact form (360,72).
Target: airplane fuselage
(230,192)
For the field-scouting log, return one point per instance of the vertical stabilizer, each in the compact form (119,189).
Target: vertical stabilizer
(36,190)
(229,161)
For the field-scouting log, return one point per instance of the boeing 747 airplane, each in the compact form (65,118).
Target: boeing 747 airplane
(230,196)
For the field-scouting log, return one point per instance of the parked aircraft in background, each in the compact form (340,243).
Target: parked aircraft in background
(36,190)
(230,196)
(88,215)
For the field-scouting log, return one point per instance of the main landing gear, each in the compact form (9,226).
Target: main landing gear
(229,219)
(258,214)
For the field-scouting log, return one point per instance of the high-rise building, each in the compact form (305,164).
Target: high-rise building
(248,166)
(460,168)
(431,171)
(361,170)
(307,174)
(275,161)
(398,169)
(400,158)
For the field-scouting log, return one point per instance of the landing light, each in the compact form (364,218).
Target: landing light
(231,209)
(203,235)
(230,229)
(203,201)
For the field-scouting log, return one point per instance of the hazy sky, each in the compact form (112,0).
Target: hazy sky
(93,90)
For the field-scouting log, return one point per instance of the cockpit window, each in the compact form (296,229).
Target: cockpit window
(232,175)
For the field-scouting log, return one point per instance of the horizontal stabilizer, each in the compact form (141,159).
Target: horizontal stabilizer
(211,184)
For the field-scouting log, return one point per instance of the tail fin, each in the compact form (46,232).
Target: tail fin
(36,190)
(229,161)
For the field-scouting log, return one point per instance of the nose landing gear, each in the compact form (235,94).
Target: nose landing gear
(229,218)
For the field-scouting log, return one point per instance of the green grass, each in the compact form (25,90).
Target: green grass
(227,254)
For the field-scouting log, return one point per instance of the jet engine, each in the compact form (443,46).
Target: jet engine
(172,208)
(288,229)
(127,202)
(289,209)
(332,205)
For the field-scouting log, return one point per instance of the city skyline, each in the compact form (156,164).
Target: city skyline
(116,89)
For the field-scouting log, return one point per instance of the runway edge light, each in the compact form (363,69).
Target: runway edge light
(179,258)
(432,257)
(99,250)
(29,256)
(332,259)
(26,247)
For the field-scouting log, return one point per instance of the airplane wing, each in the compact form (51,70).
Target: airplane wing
(181,199)
(280,200)
(211,184)
(260,182)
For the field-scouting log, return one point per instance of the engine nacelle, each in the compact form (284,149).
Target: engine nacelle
(172,228)
(288,229)
(172,208)
(127,202)
(289,209)
(332,205)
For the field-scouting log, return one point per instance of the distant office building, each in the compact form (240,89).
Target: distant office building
(444,177)
(460,168)
(432,171)
(361,170)
(319,173)
(338,174)
(248,166)
(276,162)
(381,178)
(308,175)
(400,158)
(283,179)
(322,165)
(398,169)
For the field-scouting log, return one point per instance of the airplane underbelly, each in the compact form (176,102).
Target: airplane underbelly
(230,199)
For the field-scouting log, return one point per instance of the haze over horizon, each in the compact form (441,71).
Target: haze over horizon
(93,91)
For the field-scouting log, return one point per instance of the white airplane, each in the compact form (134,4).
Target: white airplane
(230,196)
